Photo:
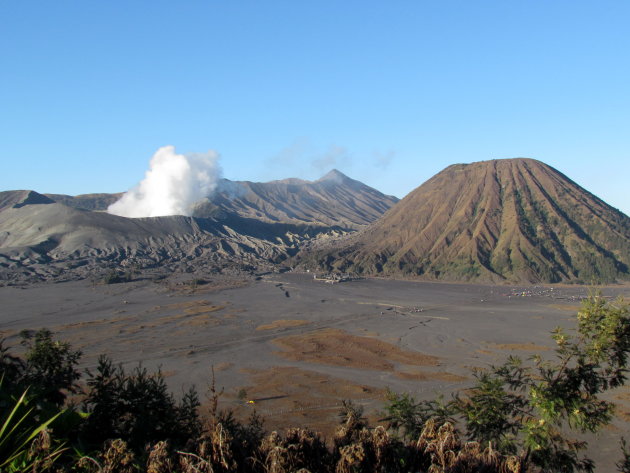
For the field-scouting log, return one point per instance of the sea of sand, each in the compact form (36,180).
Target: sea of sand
(297,346)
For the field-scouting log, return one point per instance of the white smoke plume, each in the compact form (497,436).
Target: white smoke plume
(171,186)
(334,157)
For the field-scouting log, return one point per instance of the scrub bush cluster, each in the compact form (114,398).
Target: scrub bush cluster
(521,416)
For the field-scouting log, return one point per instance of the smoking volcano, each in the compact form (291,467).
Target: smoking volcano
(171,186)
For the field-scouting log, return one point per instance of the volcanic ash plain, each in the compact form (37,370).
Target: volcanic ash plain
(297,346)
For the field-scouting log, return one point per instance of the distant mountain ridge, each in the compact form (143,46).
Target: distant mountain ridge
(245,225)
(86,201)
(333,200)
(20,198)
(515,220)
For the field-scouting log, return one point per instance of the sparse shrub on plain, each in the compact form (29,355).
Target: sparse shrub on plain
(116,277)
(50,368)
(11,367)
(242,394)
(112,277)
(535,408)
(624,464)
(137,407)
(407,417)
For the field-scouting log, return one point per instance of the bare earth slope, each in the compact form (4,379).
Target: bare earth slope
(251,225)
(333,200)
(43,241)
(20,198)
(86,201)
(512,219)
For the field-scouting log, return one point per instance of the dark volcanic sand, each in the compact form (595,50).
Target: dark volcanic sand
(298,346)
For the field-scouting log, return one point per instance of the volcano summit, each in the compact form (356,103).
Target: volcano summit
(242,225)
(511,220)
(514,220)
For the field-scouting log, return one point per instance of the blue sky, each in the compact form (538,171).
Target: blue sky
(388,92)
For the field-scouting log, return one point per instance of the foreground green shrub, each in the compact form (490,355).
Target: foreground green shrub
(24,441)
(50,367)
(534,408)
(518,417)
(137,408)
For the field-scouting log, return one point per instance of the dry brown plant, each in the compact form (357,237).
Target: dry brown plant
(42,453)
(351,459)
(193,463)
(299,450)
(382,447)
(159,460)
(219,448)
(440,451)
(359,448)
(276,455)
(116,458)
(214,453)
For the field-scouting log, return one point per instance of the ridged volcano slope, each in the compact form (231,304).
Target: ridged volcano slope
(334,200)
(41,240)
(244,225)
(514,219)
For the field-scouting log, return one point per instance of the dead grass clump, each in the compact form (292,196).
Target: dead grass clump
(282,323)
(196,286)
(570,308)
(439,450)
(287,396)
(42,453)
(519,346)
(202,307)
(357,449)
(299,450)
(159,460)
(430,376)
(351,459)
(277,455)
(382,446)
(192,463)
(115,458)
(338,348)
(223,366)
(196,307)
(214,453)
(370,450)
(624,395)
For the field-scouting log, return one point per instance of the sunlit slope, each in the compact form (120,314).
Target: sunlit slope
(36,231)
(512,219)
(333,200)
(86,201)
(243,226)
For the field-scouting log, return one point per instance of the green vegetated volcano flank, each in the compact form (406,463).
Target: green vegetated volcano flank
(515,220)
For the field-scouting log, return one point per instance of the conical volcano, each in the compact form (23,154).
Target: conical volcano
(515,220)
